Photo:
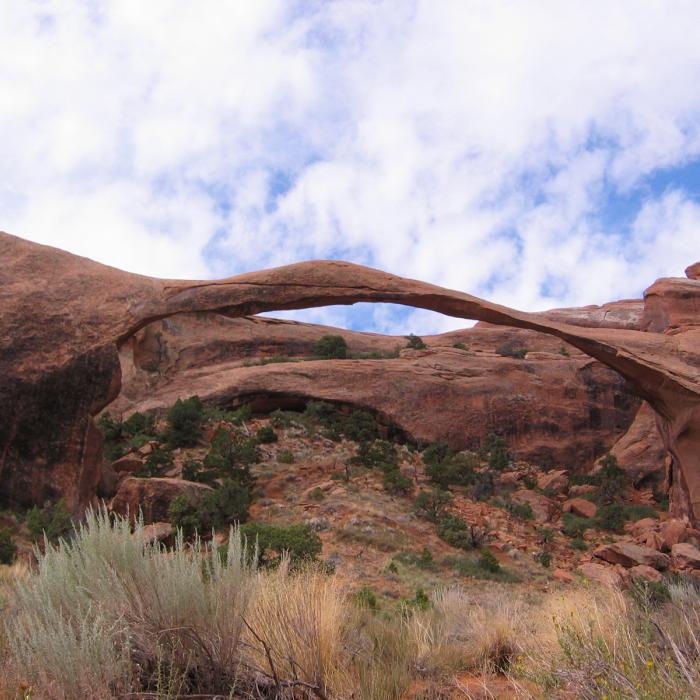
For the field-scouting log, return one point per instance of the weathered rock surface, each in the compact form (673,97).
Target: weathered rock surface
(601,574)
(64,317)
(642,572)
(542,507)
(554,482)
(152,497)
(580,507)
(628,554)
(685,556)
(640,451)
(556,410)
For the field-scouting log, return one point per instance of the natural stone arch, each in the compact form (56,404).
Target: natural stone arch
(63,318)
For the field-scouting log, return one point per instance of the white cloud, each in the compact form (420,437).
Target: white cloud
(476,145)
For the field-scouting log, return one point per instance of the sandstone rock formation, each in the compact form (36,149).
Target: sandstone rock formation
(152,497)
(552,408)
(64,317)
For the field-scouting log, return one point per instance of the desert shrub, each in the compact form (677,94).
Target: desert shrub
(497,450)
(298,542)
(109,615)
(193,470)
(455,531)
(184,515)
(511,350)
(8,548)
(469,565)
(617,646)
(420,601)
(215,510)
(611,480)
(484,486)
(460,346)
(360,426)
(377,453)
(414,342)
(611,517)
(397,483)
(185,422)
(520,510)
(285,457)
(650,594)
(317,495)
(436,453)
(544,558)
(637,511)
(546,534)
(266,435)
(444,467)
(53,522)
(231,454)
(225,506)
(367,598)
(431,504)
(331,347)
(575,525)
(156,462)
(488,561)
(139,424)
(579,543)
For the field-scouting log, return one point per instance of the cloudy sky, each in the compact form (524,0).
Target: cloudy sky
(539,154)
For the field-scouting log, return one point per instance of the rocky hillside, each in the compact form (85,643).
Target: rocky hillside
(66,320)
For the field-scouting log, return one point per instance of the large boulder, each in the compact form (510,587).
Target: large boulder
(555,482)
(542,507)
(628,554)
(580,507)
(152,497)
(604,575)
(685,556)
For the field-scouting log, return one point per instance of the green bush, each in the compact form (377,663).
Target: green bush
(231,454)
(156,462)
(544,558)
(521,510)
(8,548)
(455,531)
(460,346)
(367,598)
(285,457)
(511,350)
(378,453)
(396,483)
(575,525)
(498,454)
(611,517)
(266,435)
(331,347)
(185,422)
(488,561)
(484,486)
(414,342)
(579,543)
(215,510)
(184,515)
(298,541)
(53,521)
(445,468)
(611,480)
(431,504)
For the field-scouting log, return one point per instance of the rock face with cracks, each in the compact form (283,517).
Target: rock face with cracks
(553,408)
(65,317)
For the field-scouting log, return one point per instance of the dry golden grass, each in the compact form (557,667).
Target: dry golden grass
(112,616)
